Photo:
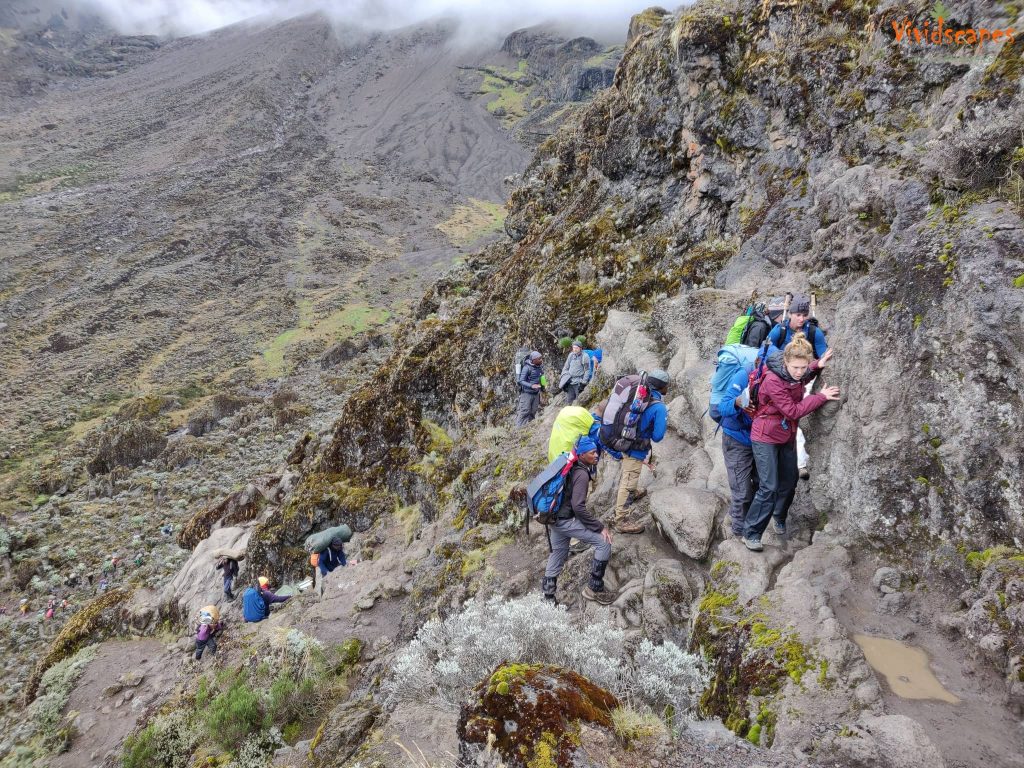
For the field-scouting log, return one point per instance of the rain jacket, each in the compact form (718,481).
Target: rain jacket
(576,369)
(781,403)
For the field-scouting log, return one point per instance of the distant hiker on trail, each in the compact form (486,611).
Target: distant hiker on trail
(23,606)
(229,570)
(575,372)
(530,387)
(256,600)
(207,629)
(332,557)
(778,402)
(635,418)
(574,521)
(801,320)
(736,450)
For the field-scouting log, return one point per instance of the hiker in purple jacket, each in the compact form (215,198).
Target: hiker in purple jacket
(781,403)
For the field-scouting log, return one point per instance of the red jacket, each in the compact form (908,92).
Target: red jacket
(781,404)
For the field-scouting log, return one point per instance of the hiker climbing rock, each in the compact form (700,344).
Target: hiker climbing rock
(736,424)
(331,558)
(777,400)
(572,520)
(228,567)
(207,628)
(801,320)
(530,387)
(256,600)
(575,372)
(635,418)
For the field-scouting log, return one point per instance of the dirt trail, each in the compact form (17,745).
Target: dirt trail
(124,680)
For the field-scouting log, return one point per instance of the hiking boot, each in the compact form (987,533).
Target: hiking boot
(635,496)
(599,596)
(548,586)
(805,473)
(578,548)
(754,545)
(595,590)
(779,526)
(627,526)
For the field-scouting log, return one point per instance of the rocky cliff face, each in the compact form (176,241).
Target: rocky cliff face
(742,145)
(770,146)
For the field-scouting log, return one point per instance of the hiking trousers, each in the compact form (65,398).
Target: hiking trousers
(202,645)
(526,411)
(776,481)
(572,391)
(739,464)
(628,481)
(561,533)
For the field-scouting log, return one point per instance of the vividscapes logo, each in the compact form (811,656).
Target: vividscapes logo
(938,33)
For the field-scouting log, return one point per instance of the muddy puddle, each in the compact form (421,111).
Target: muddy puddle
(905,668)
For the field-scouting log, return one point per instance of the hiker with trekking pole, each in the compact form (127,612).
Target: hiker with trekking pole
(776,400)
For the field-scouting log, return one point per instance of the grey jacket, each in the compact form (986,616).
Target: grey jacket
(575,370)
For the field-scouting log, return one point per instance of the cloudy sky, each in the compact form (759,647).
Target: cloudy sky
(177,17)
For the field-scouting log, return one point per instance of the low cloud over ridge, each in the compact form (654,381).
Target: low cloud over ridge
(183,17)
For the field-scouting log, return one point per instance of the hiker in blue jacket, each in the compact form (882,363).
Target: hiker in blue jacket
(257,600)
(595,356)
(736,450)
(530,386)
(651,429)
(800,320)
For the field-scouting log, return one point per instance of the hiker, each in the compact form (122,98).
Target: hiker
(229,570)
(801,320)
(530,387)
(332,557)
(23,606)
(650,428)
(736,450)
(752,327)
(207,629)
(574,521)
(575,372)
(779,402)
(256,600)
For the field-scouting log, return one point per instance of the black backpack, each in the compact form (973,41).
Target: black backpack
(757,328)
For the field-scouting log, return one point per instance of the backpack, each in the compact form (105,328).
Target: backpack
(572,422)
(754,380)
(545,492)
(318,542)
(520,360)
(731,358)
(756,317)
(627,403)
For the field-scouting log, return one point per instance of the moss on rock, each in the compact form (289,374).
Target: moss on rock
(533,714)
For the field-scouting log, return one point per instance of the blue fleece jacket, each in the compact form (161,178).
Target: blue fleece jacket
(780,337)
(735,421)
(653,423)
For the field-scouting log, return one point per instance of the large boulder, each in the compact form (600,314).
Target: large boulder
(198,583)
(124,444)
(686,517)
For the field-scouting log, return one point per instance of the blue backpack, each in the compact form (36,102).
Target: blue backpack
(731,358)
(544,493)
